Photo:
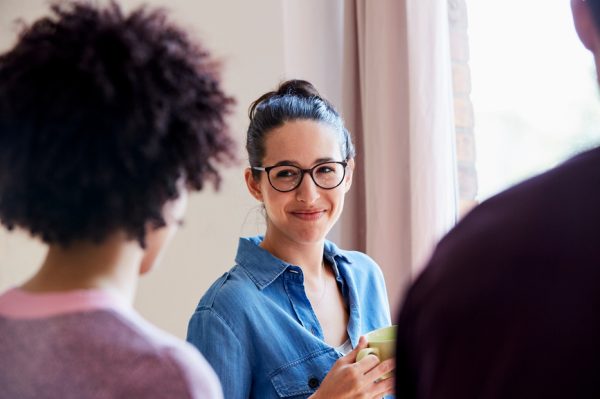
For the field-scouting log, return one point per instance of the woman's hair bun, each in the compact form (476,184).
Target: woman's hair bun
(297,87)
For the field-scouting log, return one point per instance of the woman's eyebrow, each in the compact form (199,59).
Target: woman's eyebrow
(320,160)
(288,162)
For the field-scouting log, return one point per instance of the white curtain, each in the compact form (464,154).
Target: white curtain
(399,93)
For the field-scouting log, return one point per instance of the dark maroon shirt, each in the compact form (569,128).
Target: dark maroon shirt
(509,305)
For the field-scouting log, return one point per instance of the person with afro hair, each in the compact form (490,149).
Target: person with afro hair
(107,120)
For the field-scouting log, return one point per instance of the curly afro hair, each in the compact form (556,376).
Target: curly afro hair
(103,116)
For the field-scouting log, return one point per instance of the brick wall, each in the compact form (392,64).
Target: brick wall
(463,107)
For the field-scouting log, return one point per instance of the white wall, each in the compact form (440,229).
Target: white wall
(260,43)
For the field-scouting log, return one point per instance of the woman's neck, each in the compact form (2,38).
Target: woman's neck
(112,265)
(308,256)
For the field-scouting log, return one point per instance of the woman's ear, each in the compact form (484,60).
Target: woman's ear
(253,185)
(157,239)
(349,174)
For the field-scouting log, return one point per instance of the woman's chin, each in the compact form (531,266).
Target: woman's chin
(310,237)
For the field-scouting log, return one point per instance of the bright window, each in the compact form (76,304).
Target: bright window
(534,89)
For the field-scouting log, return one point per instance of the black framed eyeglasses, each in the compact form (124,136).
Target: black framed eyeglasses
(326,175)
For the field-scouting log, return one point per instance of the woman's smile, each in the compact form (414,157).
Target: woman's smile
(309,214)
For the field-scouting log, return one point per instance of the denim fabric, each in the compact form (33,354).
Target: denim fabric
(257,329)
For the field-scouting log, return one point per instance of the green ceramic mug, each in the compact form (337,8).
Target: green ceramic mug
(381,343)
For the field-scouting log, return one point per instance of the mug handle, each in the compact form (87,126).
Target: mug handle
(367,351)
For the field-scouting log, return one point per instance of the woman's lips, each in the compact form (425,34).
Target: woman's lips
(308,215)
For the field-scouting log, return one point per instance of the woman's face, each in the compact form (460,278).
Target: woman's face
(306,214)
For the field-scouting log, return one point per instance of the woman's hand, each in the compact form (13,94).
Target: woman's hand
(350,380)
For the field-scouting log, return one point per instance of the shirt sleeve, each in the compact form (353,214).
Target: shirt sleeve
(383,296)
(212,335)
(376,289)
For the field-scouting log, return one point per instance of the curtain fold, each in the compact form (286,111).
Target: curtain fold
(398,103)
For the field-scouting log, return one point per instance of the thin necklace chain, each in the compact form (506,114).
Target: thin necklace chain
(324,285)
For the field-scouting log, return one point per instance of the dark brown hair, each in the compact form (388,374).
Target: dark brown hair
(293,100)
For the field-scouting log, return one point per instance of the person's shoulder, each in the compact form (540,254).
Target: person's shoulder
(360,260)
(542,200)
(526,224)
(162,365)
(587,161)
(547,189)
(194,371)
(229,293)
(356,261)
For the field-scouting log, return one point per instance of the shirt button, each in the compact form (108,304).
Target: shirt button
(313,382)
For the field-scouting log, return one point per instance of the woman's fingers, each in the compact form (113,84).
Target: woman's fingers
(351,356)
(367,364)
(348,378)
(361,377)
(376,370)
(384,387)
(380,369)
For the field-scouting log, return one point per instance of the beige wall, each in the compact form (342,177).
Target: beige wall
(248,36)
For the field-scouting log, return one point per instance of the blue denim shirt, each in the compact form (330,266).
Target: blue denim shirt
(256,327)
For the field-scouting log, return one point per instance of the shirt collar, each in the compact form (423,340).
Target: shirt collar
(332,253)
(263,268)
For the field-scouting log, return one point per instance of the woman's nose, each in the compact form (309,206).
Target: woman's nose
(307,191)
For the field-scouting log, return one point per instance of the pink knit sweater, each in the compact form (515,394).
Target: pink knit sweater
(90,344)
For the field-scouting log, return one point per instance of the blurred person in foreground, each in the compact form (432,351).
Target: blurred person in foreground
(509,305)
(107,120)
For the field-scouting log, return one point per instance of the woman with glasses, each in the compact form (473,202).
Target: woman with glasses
(287,319)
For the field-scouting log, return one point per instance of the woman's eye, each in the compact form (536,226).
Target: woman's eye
(325,170)
(285,173)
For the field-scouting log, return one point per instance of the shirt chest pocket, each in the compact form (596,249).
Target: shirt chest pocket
(302,377)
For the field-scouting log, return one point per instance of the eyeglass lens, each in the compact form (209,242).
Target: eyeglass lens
(288,177)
